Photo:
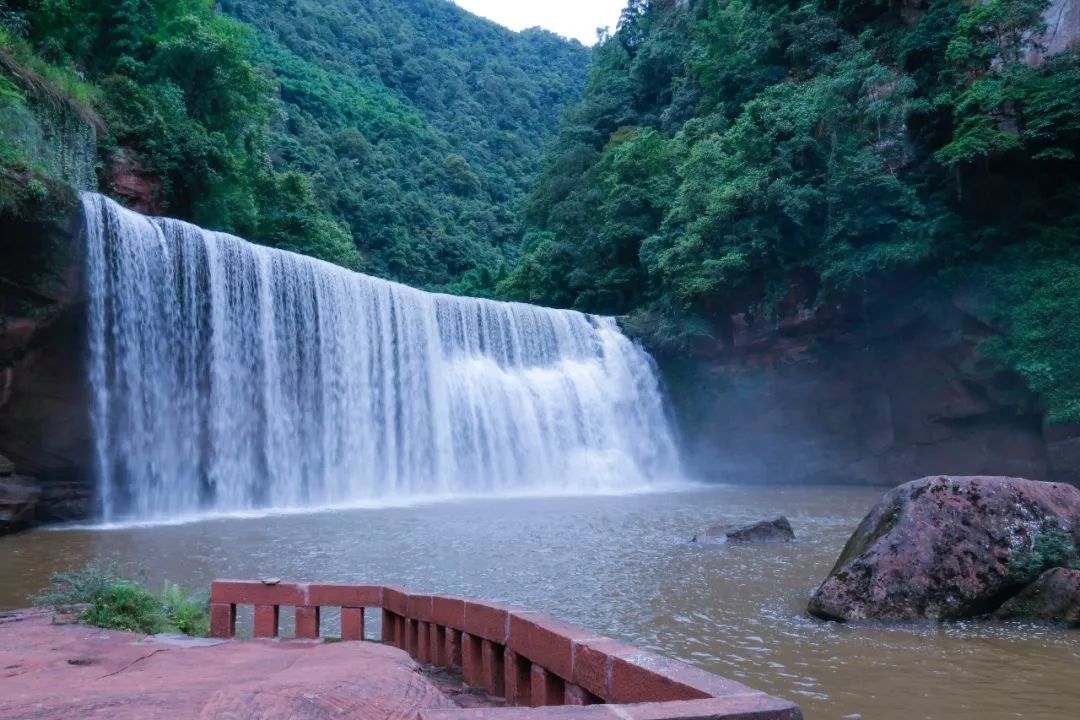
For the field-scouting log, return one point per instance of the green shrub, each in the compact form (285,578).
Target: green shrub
(1035,294)
(186,611)
(107,600)
(78,587)
(1050,549)
(123,605)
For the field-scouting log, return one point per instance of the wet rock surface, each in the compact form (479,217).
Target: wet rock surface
(950,547)
(73,671)
(44,423)
(27,501)
(1054,597)
(900,393)
(18,502)
(765,531)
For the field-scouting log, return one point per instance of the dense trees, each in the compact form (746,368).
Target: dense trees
(722,148)
(725,146)
(420,125)
(394,137)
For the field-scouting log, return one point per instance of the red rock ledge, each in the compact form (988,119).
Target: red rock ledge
(74,672)
(532,660)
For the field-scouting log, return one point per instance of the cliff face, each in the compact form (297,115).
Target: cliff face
(44,423)
(881,400)
(1062,20)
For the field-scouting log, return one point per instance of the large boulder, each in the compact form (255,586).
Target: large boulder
(950,547)
(1054,597)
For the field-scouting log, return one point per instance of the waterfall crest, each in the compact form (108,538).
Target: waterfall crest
(227,376)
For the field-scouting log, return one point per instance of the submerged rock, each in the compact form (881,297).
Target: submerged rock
(776,530)
(1054,597)
(950,547)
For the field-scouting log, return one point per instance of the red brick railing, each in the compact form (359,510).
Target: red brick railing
(528,658)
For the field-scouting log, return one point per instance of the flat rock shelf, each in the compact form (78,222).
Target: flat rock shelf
(528,659)
(74,671)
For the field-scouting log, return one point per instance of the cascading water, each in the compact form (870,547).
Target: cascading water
(228,376)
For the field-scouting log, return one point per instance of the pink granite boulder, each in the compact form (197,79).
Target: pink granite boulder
(1054,597)
(950,547)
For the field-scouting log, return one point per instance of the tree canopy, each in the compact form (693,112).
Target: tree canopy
(393,137)
(724,147)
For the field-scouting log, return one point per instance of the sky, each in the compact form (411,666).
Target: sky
(570,18)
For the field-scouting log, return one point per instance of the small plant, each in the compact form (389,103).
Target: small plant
(36,190)
(123,605)
(186,611)
(1050,549)
(105,599)
(78,587)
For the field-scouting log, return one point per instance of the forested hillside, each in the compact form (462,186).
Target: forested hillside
(393,137)
(728,149)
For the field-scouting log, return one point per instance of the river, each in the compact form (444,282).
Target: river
(621,565)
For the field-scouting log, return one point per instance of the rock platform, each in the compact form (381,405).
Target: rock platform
(74,671)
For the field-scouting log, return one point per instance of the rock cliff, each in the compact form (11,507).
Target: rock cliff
(44,424)
(821,398)
(1062,20)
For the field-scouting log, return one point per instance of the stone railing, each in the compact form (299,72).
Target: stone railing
(528,658)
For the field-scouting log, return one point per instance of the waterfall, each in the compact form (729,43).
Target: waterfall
(227,376)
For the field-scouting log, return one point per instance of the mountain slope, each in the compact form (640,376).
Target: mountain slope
(747,164)
(421,124)
(392,137)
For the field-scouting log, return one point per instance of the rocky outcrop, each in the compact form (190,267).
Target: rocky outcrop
(72,671)
(765,531)
(950,547)
(18,499)
(900,392)
(1062,19)
(44,423)
(1054,597)
(133,184)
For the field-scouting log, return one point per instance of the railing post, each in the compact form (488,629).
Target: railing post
(438,646)
(389,628)
(265,621)
(423,643)
(518,681)
(453,649)
(222,620)
(471,662)
(547,689)
(411,631)
(491,663)
(307,623)
(352,623)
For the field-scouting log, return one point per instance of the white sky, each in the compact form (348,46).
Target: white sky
(570,18)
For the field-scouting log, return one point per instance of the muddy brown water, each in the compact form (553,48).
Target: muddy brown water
(621,566)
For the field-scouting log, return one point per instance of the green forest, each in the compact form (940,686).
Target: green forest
(703,155)
(725,147)
(397,138)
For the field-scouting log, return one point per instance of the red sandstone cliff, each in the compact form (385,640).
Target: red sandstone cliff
(820,398)
(44,424)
